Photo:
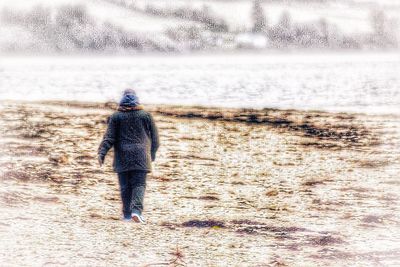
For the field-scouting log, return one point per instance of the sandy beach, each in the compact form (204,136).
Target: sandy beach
(230,187)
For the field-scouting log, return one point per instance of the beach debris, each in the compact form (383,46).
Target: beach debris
(85,157)
(254,227)
(57,158)
(272,193)
(204,224)
(278,262)
(314,182)
(16,175)
(47,199)
(373,219)
(161,178)
(326,240)
(209,197)
(178,257)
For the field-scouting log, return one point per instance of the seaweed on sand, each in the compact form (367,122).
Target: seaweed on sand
(204,224)
(318,125)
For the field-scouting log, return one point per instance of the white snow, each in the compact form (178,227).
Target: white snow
(129,19)
(251,40)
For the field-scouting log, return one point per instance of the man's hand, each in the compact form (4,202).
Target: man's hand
(101,160)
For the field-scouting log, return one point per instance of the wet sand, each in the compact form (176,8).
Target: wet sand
(230,187)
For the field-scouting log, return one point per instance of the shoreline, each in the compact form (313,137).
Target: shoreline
(152,106)
(331,129)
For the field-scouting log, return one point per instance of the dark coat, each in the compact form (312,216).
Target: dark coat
(134,136)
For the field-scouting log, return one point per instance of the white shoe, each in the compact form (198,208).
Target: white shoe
(137,218)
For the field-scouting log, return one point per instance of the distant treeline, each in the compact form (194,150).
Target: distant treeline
(323,34)
(286,33)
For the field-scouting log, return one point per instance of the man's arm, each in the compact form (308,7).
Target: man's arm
(155,141)
(108,140)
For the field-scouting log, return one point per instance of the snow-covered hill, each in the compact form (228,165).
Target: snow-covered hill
(133,21)
(102,11)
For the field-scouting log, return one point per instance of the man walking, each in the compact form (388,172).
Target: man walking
(133,134)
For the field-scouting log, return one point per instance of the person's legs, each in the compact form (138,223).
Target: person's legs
(126,193)
(138,182)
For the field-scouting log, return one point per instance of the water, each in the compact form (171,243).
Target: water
(347,82)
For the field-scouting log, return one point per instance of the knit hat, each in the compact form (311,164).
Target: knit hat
(129,92)
(129,98)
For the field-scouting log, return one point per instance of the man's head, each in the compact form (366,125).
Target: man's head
(128,92)
(129,98)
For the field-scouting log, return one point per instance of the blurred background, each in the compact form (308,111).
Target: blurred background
(335,55)
(133,26)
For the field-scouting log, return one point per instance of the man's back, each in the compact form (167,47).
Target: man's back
(135,139)
(133,127)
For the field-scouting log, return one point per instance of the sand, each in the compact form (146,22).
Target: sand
(230,187)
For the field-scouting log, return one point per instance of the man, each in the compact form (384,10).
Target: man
(133,134)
